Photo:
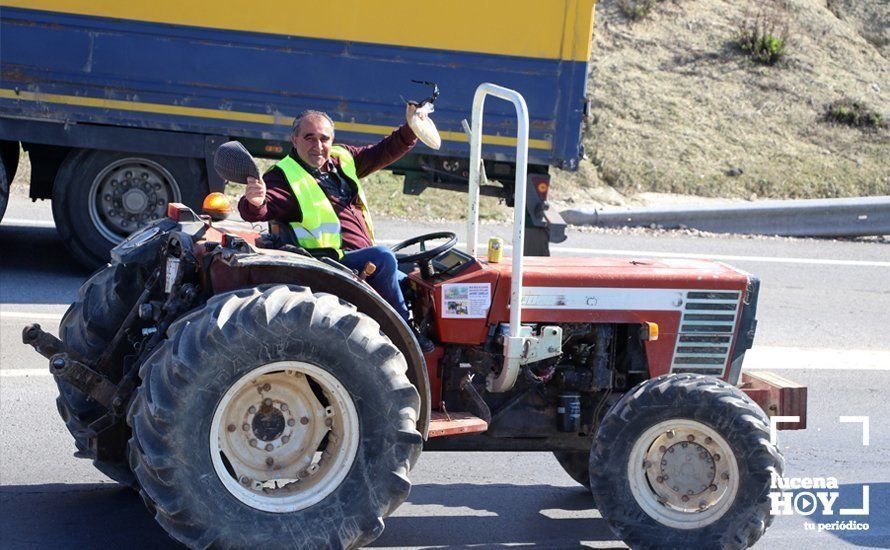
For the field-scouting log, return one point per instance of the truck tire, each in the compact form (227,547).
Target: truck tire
(274,417)
(100,197)
(9,164)
(9,154)
(576,464)
(537,241)
(88,327)
(4,189)
(720,437)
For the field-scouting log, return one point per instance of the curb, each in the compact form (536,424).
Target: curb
(854,217)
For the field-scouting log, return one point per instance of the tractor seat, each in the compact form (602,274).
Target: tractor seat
(282,234)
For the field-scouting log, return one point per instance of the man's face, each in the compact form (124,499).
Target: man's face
(313,140)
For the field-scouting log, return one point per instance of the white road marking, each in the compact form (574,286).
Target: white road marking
(758,358)
(605,251)
(687,255)
(27,316)
(23,373)
(439,510)
(789,358)
(28,223)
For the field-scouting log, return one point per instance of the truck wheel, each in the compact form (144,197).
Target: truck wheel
(9,163)
(88,327)
(537,241)
(100,197)
(685,460)
(274,417)
(4,189)
(9,155)
(576,464)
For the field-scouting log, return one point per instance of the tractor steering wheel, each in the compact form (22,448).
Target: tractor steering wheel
(424,256)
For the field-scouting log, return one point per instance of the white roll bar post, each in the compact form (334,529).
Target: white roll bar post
(515,344)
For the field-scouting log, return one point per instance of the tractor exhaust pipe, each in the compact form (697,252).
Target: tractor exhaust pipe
(516,346)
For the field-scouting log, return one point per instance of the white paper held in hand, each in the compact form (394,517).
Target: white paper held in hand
(424,127)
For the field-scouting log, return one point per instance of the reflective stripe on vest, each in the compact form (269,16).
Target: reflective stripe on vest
(320,227)
(347,164)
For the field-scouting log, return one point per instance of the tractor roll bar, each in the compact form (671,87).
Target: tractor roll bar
(515,344)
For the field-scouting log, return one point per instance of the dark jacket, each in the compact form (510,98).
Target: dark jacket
(283,206)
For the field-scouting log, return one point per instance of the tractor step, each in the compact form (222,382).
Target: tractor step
(455,423)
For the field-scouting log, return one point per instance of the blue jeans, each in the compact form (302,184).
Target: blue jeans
(386,279)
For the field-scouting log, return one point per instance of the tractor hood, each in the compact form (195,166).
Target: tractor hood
(641,272)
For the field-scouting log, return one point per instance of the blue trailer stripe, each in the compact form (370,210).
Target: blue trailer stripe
(235,72)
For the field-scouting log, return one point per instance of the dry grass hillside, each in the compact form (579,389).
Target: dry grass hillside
(680,108)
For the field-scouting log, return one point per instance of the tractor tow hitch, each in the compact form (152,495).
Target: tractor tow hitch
(70,366)
(45,343)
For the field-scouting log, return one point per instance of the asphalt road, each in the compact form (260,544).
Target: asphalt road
(824,314)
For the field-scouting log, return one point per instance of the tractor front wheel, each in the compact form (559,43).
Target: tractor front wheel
(685,460)
(274,417)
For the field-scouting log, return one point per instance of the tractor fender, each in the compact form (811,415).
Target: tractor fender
(231,270)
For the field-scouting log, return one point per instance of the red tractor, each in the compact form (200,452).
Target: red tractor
(256,395)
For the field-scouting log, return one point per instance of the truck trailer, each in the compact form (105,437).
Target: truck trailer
(121,105)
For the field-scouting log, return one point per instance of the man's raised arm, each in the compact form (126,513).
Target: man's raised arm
(370,158)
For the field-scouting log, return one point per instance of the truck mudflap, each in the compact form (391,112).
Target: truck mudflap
(777,396)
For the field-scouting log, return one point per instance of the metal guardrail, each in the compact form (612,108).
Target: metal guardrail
(794,218)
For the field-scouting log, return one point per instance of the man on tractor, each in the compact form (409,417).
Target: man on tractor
(235,382)
(317,190)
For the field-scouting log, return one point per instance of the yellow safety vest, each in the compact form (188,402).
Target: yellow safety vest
(320,227)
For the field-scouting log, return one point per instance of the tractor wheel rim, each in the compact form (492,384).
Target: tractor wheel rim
(129,193)
(284,436)
(683,474)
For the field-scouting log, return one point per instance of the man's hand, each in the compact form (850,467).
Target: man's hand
(418,117)
(411,109)
(256,191)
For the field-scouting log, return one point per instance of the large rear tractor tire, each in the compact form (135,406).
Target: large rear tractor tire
(576,464)
(685,461)
(274,417)
(88,327)
(100,197)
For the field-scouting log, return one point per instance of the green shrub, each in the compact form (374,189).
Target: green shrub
(764,36)
(635,9)
(854,114)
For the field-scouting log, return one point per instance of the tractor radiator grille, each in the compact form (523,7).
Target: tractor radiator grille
(706,332)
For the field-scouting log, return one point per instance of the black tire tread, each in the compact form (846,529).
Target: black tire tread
(87,327)
(5,184)
(204,333)
(748,427)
